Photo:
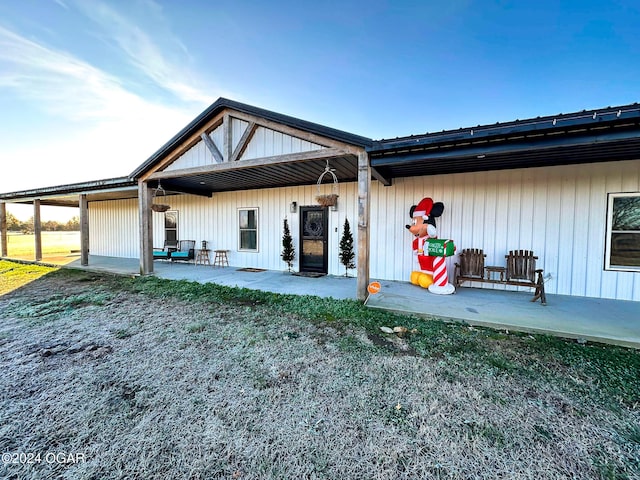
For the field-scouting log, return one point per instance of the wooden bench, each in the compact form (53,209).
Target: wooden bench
(520,271)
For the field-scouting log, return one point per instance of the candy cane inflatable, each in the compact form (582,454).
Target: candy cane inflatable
(441,285)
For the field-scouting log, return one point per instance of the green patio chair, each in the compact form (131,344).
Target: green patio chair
(185,251)
(164,253)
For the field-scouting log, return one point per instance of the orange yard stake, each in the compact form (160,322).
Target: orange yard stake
(373,288)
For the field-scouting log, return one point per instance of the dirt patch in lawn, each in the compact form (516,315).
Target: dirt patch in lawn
(121,383)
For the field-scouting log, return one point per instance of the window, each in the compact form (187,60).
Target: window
(623,232)
(248,229)
(171,228)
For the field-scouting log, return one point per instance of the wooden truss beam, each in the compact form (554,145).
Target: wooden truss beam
(244,141)
(294,132)
(382,179)
(252,163)
(217,156)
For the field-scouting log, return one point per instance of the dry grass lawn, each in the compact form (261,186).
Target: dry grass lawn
(113,378)
(56,246)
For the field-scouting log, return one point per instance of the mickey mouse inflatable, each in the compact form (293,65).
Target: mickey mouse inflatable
(430,252)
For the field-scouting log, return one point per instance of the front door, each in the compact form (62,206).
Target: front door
(313,239)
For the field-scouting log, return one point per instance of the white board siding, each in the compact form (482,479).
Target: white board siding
(558,212)
(238,128)
(264,143)
(113,228)
(267,143)
(216,221)
(196,156)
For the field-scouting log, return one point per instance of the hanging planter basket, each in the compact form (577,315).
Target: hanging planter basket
(156,206)
(327,200)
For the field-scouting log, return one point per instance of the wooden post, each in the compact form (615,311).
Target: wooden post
(145,199)
(37,229)
(84,230)
(364,187)
(227,139)
(3,229)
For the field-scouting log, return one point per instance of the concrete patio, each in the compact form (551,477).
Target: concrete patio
(598,320)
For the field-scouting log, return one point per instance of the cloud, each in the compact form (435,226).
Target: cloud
(113,129)
(162,57)
(60,83)
(109,128)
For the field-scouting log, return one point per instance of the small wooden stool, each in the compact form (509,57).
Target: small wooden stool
(221,259)
(203,257)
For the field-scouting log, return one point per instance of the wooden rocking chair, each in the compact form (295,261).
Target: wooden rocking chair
(522,271)
(471,266)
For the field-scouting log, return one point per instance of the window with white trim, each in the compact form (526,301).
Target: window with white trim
(248,229)
(623,232)
(171,228)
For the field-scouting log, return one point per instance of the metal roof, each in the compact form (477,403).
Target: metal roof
(67,195)
(608,134)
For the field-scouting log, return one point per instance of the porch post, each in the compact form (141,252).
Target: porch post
(364,187)
(84,230)
(37,229)
(3,229)
(146,228)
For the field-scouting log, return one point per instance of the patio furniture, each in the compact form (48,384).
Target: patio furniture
(203,257)
(164,253)
(185,251)
(471,266)
(520,271)
(221,259)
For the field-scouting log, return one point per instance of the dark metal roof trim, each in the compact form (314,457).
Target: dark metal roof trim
(72,188)
(562,123)
(223,103)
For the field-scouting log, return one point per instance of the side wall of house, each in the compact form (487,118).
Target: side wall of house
(558,212)
(114,224)
(113,228)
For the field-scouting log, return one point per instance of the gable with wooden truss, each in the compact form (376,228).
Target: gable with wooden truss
(238,147)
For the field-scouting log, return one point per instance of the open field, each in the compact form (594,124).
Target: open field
(14,275)
(53,244)
(111,377)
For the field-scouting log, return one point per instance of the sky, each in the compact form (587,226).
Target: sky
(89,89)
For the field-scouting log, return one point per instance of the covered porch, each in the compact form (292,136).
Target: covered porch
(592,319)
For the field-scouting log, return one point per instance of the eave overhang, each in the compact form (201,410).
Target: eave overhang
(592,136)
(68,195)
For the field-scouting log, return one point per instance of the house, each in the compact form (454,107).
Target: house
(565,186)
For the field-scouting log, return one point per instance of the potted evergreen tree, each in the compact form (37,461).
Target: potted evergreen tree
(288,251)
(346,248)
